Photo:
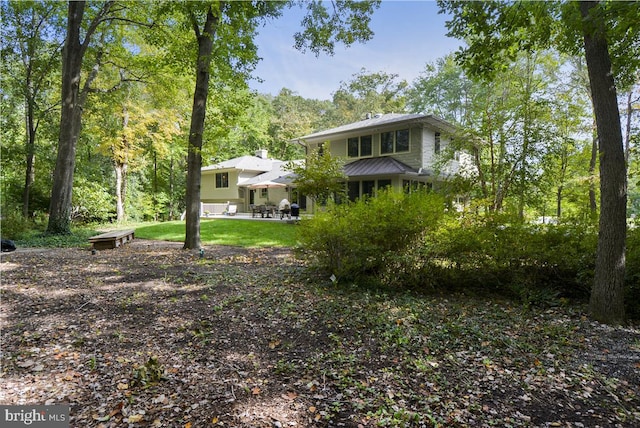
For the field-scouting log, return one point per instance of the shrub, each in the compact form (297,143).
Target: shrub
(13,224)
(532,262)
(359,239)
(632,296)
(91,202)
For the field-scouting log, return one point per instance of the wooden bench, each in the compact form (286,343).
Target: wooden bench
(110,240)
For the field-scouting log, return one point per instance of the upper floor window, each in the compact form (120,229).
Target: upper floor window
(436,145)
(359,146)
(222,180)
(394,141)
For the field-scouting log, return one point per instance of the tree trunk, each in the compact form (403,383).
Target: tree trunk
(607,295)
(171,195)
(194,157)
(121,164)
(559,203)
(593,204)
(61,192)
(30,172)
(120,185)
(73,101)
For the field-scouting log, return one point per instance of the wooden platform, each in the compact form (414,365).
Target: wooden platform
(110,240)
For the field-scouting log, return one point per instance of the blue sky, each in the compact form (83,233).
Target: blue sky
(408,35)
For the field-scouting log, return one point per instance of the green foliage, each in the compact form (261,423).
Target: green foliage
(407,241)
(361,239)
(632,297)
(13,224)
(36,237)
(320,177)
(91,202)
(345,22)
(501,254)
(147,374)
(368,92)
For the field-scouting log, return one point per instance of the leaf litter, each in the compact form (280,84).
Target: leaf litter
(153,335)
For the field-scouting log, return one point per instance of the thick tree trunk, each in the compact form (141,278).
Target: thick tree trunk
(194,157)
(60,205)
(607,295)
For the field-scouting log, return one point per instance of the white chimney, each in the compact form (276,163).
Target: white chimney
(261,153)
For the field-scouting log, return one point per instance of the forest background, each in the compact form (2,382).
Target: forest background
(537,159)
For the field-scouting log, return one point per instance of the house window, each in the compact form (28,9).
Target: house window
(384,183)
(365,145)
(436,145)
(368,186)
(402,140)
(359,146)
(352,147)
(353,190)
(264,193)
(394,141)
(222,180)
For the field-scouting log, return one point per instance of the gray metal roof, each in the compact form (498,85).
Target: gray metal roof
(377,166)
(382,120)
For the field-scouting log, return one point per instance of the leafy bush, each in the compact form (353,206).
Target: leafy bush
(535,263)
(359,239)
(91,202)
(13,224)
(632,297)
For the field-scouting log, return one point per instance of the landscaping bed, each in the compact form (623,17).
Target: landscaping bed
(152,335)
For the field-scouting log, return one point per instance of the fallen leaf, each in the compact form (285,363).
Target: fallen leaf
(122,386)
(135,418)
(187,425)
(256,391)
(290,395)
(25,364)
(214,420)
(273,344)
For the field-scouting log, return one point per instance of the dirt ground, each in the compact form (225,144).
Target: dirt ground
(151,335)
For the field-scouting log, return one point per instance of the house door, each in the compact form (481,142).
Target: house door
(252,197)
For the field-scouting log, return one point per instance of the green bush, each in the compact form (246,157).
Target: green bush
(533,262)
(91,202)
(13,225)
(407,241)
(363,238)
(632,296)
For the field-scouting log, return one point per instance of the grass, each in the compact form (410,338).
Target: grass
(242,233)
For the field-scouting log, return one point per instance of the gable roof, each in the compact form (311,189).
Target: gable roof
(378,166)
(380,121)
(247,163)
(276,171)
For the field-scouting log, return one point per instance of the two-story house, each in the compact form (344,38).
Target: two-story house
(397,150)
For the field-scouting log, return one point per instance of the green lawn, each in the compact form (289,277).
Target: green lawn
(243,233)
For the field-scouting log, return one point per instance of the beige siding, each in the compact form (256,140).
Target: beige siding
(209,192)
